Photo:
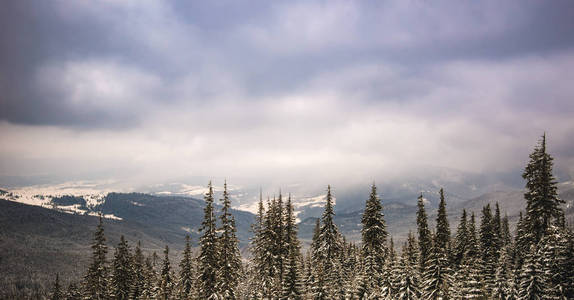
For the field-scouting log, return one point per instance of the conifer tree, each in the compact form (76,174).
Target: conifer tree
(409,284)
(57,290)
(122,271)
(292,278)
(469,280)
(208,253)
(437,280)
(330,244)
(442,238)
(472,250)
(531,277)
(412,251)
(72,292)
(542,201)
(488,248)
(186,274)
(257,248)
(497,231)
(374,237)
(425,240)
(229,256)
(138,273)
(166,280)
(503,284)
(149,287)
(96,280)
(461,239)
(505,231)
(556,263)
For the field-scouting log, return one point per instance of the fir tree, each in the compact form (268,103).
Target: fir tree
(186,274)
(442,238)
(96,280)
(166,280)
(503,284)
(72,292)
(542,202)
(437,280)
(208,253)
(461,240)
(469,280)
(229,256)
(57,290)
(291,279)
(425,240)
(556,262)
(138,273)
(122,271)
(149,288)
(330,244)
(531,278)
(488,248)
(409,285)
(374,237)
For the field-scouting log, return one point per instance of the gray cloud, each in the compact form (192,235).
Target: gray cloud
(288,91)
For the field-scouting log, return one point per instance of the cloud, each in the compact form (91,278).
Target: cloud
(294,91)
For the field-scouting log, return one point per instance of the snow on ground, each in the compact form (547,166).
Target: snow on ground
(42,195)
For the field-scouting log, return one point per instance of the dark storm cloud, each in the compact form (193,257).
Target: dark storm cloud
(282,89)
(265,49)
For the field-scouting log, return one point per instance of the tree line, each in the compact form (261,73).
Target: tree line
(481,260)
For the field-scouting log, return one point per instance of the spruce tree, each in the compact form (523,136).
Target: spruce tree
(96,280)
(73,292)
(138,273)
(488,248)
(461,239)
(292,289)
(330,244)
(442,238)
(208,252)
(542,201)
(228,255)
(437,280)
(186,274)
(409,284)
(166,280)
(57,290)
(425,240)
(531,277)
(374,237)
(556,263)
(122,271)
(503,284)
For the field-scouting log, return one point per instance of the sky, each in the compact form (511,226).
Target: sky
(282,93)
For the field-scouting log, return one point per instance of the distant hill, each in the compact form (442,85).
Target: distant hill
(36,242)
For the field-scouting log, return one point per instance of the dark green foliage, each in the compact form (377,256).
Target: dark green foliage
(292,289)
(542,202)
(437,278)
(138,273)
(374,237)
(442,238)
(488,248)
(186,272)
(229,258)
(208,252)
(532,285)
(73,292)
(425,240)
(166,280)
(96,280)
(122,271)
(461,242)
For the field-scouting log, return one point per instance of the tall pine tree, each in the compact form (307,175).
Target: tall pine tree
(228,255)
(425,240)
(96,280)
(542,201)
(208,253)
